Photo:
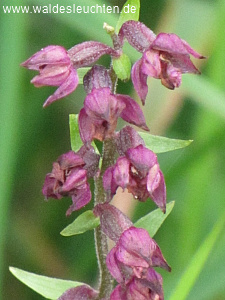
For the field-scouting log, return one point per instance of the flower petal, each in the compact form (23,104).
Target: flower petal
(112,265)
(82,292)
(127,138)
(98,77)
(51,76)
(91,160)
(154,281)
(170,76)
(48,189)
(171,43)
(181,62)
(80,199)
(49,55)
(119,293)
(153,178)
(158,194)
(121,172)
(76,179)
(113,221)
(151,65)
(137,34)
(134,247)
(86,53)
(86,127)
(66,88)
(132,113)
(102,105)
(139,80)
(143,290)
(70,160)
(141,158)
(109,184)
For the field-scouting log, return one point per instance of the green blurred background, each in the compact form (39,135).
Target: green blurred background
(31,138)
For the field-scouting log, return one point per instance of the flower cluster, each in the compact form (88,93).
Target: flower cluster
(135,168)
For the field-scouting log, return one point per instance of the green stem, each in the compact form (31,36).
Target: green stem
(101,244)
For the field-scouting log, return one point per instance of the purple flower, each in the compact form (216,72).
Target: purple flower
(82,292)
(69,178)
(165,57)
(57,66)
(139,172)
(55,69)
(98,118)
(132,260)
(102,108)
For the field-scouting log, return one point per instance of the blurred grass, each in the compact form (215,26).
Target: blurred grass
(32,138)
(188,279)
(10,115)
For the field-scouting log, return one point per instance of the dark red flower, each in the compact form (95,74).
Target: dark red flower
(165,57)
(69,178)
(139,172)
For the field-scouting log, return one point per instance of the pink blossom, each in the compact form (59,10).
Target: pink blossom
(69,178)
(55,69)
(139,172)
(165,56)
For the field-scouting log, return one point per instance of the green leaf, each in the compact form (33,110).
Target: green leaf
(75,139)
(153,221)
(130,11)
(122,67)
(50,288)
(81,73)
(196,265)
(86,221)
(160,144)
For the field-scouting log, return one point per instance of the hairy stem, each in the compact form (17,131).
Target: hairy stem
(101,244)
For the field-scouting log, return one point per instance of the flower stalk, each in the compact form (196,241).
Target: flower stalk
(101,243)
